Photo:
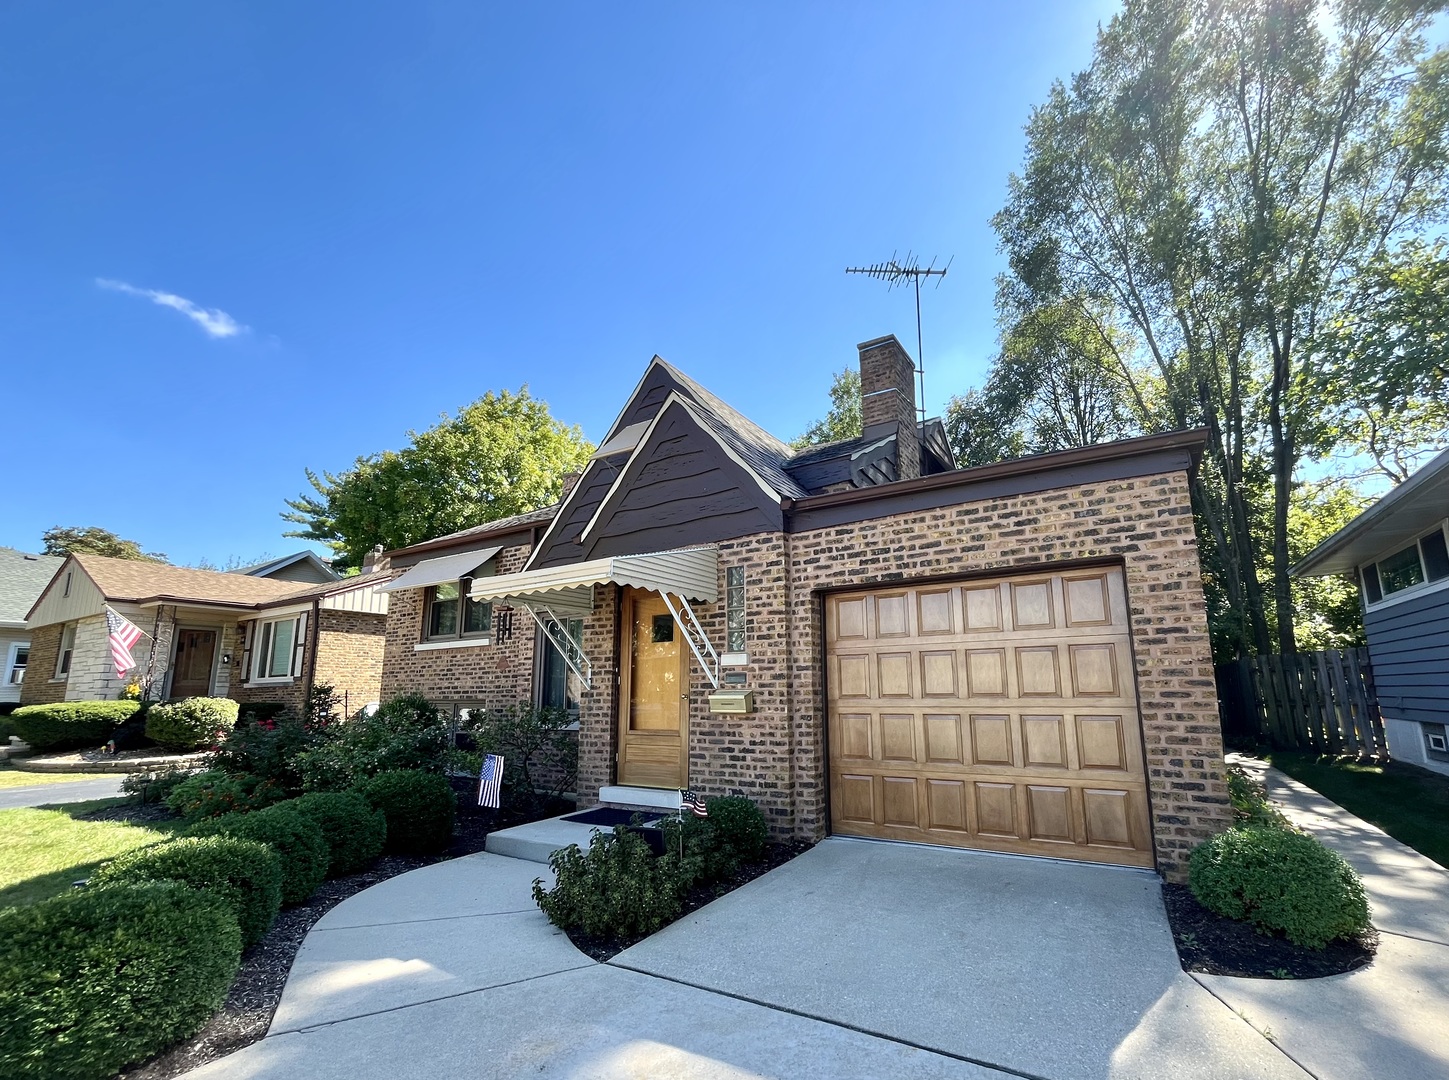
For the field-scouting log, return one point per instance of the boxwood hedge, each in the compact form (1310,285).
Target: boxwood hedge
(68,725)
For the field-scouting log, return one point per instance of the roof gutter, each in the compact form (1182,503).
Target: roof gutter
(1193,440)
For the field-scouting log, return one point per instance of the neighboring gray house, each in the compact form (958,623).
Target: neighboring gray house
(1398,552)
(23,578)
(300,566)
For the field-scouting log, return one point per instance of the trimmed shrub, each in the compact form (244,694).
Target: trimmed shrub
(617,889)
(1282,882)
(1250,801)
(406,732)
(540,753)
(355,831)
(297,840)
(191,723)
(67,725)
(268,749)
(213,793)
(261,710)
(98,978)
(245,874)
(157,786)
(716,846)
(419,808)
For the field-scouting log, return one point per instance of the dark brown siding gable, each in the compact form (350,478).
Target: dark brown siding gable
(653,391)
(681,488)
(561,543)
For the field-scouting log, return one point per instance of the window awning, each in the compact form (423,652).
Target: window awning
(442,569)
(692,573)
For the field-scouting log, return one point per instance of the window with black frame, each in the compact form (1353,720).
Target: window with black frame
(454,615)
(559,687)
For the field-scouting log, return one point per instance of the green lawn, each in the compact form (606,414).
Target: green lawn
(48,849)
(10,777)
(1412,807)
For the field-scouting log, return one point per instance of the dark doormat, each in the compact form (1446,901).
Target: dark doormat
(610,816)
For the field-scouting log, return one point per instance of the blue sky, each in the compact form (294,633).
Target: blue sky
(241,239)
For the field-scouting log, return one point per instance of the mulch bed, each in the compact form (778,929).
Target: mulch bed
(602,949)
(1216,945)
(247,1013)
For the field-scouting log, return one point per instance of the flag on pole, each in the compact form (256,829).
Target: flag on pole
(490,781)
(688,800)
(123,635)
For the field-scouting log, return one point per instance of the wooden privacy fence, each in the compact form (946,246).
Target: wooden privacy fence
(1319,701)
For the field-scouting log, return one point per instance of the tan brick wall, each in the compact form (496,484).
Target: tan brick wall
(38,687)
(490,675)
(349,656)
(777,755)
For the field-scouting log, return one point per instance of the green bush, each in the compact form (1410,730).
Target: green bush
(98,978)
(7,729)
(268,749)
(716,846)
(540,753)
(191,723)
(407,732)
(213,793)
(355,831)
(419,807)
(297,840)
(245,874)
(1280,881)
(156,786)
(617,889)
(66,725)
(1250,801)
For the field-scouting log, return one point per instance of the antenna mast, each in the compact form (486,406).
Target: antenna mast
(894,272)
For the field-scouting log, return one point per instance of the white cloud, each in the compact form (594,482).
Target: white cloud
(213,321)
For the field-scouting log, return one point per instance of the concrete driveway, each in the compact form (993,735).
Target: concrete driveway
(68,791)
(857,959)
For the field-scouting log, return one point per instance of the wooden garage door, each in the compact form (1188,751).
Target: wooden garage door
(989,714)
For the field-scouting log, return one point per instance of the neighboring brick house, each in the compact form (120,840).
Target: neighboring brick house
(860,637)
(207,634)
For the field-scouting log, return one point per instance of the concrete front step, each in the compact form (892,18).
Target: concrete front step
(535,841)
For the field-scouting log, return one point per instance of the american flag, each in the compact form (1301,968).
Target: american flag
(688,800)
(490,781)
(124,634)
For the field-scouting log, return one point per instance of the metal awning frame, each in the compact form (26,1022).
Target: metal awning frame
(556,631)
(694,636)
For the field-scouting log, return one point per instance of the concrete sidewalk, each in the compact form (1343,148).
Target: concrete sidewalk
(1386,1021)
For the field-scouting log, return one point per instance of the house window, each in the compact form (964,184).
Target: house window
(452,613)
(735,609)
(276,643)
(559,687)
(67,647)
(19,657)
(1425,560)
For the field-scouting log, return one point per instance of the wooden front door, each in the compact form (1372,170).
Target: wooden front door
(990,714)
(654,696)
(191,672)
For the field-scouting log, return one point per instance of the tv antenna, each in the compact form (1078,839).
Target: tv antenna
(896,272)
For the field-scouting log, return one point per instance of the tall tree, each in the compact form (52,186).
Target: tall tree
(1211,189)
(843,419)
(93,540)
(502,455)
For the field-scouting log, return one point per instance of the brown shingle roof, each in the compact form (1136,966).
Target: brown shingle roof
(131,579)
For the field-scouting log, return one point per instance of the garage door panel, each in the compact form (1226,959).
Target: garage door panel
(992,714)
(898,737)
(1037,673)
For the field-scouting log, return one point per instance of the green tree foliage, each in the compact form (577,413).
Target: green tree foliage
(1057,383)
(843,419)
(502,455)
(93,540)
(1215,190)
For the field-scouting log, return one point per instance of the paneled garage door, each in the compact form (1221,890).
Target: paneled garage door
(989,714)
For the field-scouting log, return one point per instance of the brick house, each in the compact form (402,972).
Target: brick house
(208,634)
(860,637)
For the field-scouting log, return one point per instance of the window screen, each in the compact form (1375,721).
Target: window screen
(1401,570)
(1436,555)
(1371,584)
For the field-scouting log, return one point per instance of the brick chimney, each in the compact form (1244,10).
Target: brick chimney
(570,481)
(888,400)
(374,561)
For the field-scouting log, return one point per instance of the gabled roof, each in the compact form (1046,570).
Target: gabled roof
(23,578)
(1412,508)
(137,581)
(271,566)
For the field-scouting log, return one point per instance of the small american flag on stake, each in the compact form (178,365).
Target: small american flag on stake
(123,634)
(490,781)
(688,800)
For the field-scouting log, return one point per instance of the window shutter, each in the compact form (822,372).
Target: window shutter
(299,644)
(249,633)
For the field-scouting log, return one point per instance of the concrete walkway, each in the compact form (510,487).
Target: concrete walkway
(1386,1021)
(64,792)
(857,959)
